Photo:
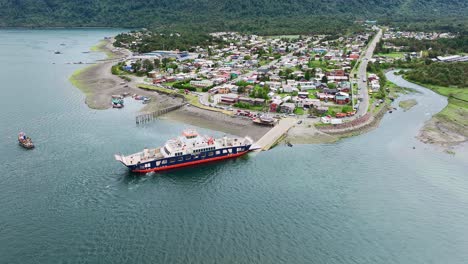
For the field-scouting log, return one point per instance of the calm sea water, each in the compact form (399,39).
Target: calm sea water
(367,199)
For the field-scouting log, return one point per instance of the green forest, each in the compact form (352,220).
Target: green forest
(258,16)
(434,48)
(441,74)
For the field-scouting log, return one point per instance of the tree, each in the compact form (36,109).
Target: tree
(307,75)
(136,66)
(157,63)
(164,62)
(324,79)
(148,65)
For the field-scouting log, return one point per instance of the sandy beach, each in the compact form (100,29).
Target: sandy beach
(99,84)
(218,121)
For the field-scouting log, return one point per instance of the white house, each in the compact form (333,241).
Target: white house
(201,83)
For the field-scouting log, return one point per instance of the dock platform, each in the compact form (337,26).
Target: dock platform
(272,136)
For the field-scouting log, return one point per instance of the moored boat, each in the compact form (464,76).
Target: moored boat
(186,150)
(25,141)
(117,101)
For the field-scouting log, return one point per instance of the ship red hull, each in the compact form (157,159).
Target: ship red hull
(192,163)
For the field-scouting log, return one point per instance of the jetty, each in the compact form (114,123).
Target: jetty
(274,135)
(148,117)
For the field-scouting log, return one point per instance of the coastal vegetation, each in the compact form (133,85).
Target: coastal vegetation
(450,80)
(407,104)
(441,74)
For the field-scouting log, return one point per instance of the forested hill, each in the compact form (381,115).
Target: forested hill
(246,15)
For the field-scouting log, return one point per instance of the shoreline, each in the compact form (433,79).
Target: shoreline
(448,128)
(98,84)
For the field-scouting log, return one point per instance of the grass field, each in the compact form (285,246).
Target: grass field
(457,93)
(407,104)
(394,55)
(456,112)
(312,94)
(299,111)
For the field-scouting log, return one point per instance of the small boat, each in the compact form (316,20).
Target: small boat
(289,144)
(146,100)
(117,101)
(25,141)
(57,52)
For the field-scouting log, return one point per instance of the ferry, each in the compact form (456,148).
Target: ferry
(188,149)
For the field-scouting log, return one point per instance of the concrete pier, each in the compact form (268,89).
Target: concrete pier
(272,136)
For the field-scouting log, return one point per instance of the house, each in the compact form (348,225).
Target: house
(159,80)
(354,56)
(273,85)
(153,74)
(287,108)
(321,109)
(325,96)
(320,86)
(330,91)
(341,98)
(274,105)
(344,87)
(372,77)
(252,101)
(220,90)
(289,88)
(201,83)
(303,94)
(247,100)
(229,99)
(306,85)
(375,85)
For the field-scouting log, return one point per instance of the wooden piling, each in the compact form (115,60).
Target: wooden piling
(148,117)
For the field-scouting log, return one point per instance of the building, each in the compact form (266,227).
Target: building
(303,94)
(274,105)
(325,96)
(201,83)
(228,99)
(252,101)
(341,98)
(287,108)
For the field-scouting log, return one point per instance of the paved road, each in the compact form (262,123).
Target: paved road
(362,75)
(272,136)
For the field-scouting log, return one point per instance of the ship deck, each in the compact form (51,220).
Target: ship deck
(141,157)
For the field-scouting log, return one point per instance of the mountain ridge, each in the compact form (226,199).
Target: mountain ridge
(218,14)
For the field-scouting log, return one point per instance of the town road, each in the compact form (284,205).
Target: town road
(362,76)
